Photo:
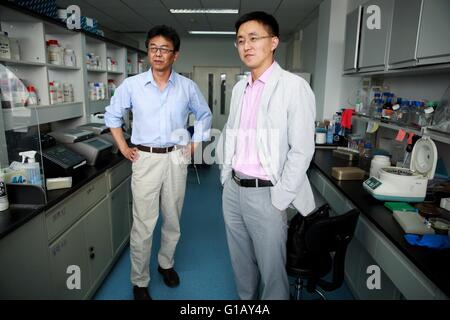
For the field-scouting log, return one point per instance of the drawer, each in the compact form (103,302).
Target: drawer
(118,174)
(61,216)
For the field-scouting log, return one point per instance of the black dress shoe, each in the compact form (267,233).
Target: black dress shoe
(170,277)
(141,293)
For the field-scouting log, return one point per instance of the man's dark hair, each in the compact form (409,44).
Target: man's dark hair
(166,32)
(269,21)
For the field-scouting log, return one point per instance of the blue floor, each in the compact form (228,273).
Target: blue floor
(202,259)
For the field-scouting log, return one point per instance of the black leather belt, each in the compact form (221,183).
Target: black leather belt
(251,183)
(155,150)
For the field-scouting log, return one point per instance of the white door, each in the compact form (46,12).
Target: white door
(216,85)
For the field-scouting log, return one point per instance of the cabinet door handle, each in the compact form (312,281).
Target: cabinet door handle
(92,255)
(90,189)
(91,249)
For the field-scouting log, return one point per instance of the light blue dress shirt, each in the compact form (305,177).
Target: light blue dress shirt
(160,117)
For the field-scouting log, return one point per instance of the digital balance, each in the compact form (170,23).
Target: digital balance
(406,185)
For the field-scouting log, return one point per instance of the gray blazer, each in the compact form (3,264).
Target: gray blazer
(285,137)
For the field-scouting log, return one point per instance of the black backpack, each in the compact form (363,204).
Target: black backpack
(296,247)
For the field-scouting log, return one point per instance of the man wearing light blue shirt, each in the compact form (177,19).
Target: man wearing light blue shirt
(161,101)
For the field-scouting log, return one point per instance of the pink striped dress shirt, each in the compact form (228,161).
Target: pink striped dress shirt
(246,158)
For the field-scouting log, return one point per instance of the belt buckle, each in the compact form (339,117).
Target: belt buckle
(237,179)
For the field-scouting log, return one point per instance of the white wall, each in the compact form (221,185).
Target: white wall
(309,48)
(211,52)
(329,85)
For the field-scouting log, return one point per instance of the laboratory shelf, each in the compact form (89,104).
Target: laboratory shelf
(12,62)
(23,117)
(115,72)
(388,125)
(96,70)
(61,67)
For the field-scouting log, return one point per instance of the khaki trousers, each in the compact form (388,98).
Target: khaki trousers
(156,179)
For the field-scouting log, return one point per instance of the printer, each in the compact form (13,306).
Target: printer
(109,137)
(104,133)
(85,143)
(96,128)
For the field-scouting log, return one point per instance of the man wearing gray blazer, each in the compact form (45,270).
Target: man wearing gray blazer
(268,144)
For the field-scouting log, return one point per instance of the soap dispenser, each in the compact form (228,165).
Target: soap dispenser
(32,167)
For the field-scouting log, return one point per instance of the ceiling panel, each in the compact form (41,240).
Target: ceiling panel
(220,4)
(260,5)
(222,22)
(182,4)
(140,4)
(140,15)
(194,21)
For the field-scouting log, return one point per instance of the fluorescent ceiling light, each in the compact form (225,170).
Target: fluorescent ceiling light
(231,11)
(212,32)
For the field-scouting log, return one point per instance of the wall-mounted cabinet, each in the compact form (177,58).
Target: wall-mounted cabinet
(352,40)
(413,36)
(434,43)
(375,38)
(405,29)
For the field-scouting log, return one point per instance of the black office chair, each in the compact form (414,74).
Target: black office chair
(319,236)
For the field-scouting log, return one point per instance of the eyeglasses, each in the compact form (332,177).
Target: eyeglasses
(160,49)
(240,42)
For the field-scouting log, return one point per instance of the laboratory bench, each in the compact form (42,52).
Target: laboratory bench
(408,272)
(84,228)
(18,214)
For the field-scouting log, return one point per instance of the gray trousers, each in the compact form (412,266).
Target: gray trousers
(256,234)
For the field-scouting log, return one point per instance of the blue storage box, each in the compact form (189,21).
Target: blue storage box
(44,7)
(89,24)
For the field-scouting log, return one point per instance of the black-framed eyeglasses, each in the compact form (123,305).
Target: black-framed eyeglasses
(240,42)
(160,49)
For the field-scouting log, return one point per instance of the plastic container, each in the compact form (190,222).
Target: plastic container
(321,136)
(32,96)
(330,133)
(54,52)
(32,167)
(377,163)
(111,87)
(68,92)
(4,203)
(69,58)
(59,92)
(5,49)
(53,94)
(367,150)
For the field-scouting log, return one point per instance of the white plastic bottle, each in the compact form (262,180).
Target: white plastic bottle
(53,94)
(33,168)
(4,203)
(32,96)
